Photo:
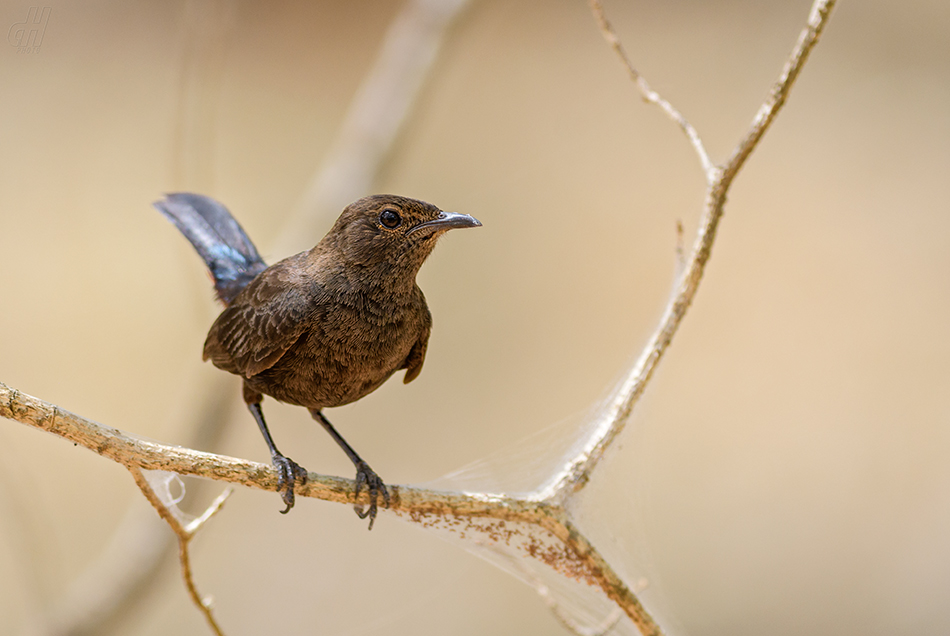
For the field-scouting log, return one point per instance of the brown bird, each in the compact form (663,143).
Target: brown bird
(327,326)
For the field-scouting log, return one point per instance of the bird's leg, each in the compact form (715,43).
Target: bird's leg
(288,471)
(365,476)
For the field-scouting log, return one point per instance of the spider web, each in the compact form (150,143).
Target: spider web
(606,511)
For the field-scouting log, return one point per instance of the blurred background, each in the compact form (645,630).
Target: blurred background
(787,469)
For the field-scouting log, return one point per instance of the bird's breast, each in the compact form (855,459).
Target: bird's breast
(350,348)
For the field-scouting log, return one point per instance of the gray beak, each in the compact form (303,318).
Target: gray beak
(447,221)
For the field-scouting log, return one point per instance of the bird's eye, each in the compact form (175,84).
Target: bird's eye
(390,218)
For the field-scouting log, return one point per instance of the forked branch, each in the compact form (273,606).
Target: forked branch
(650,95)
(185,533)
(613,418)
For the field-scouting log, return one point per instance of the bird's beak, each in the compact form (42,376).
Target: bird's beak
(447,221)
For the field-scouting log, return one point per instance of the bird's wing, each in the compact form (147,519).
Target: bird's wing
(417,355)
(252,334)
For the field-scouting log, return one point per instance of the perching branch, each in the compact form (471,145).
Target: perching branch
(577,559)
(545,510)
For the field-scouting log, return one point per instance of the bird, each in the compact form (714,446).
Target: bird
(324,327)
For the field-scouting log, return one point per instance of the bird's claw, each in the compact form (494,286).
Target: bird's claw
(366,477)
(289,474)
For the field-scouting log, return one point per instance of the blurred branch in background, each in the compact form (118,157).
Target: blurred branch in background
(373,121)
(124,574)
(205,27)
(539,525)
(22,523)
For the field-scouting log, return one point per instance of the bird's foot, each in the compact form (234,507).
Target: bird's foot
(289,474)
(366,477)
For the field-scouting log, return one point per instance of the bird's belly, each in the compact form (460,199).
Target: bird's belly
(328,368)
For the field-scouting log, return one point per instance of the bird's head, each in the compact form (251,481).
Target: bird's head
(389,232)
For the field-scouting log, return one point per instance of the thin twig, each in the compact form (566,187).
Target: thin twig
(616,413)
(650,95)
(185,534)
(807,39)
(126,570)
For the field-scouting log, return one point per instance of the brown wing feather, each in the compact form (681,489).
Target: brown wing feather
(417,355)
(262,323)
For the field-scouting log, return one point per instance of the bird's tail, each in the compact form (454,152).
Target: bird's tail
(226,249)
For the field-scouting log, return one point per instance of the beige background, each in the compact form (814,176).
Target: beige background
(787,472)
